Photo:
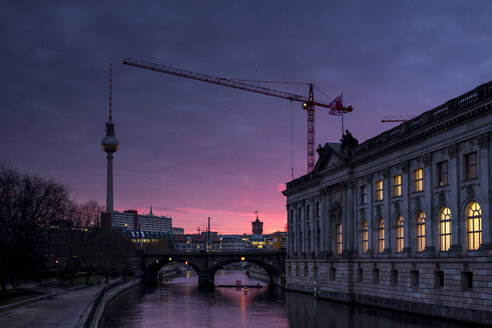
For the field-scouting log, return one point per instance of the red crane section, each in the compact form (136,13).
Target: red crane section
(336,106)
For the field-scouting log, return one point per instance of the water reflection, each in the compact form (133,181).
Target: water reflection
(180,303)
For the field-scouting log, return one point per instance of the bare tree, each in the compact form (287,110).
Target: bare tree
(27,204)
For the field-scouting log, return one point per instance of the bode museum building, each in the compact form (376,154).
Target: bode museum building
(401,220)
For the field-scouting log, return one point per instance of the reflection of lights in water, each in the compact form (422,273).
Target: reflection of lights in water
(243,309)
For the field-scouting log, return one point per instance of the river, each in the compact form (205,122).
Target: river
(180,303)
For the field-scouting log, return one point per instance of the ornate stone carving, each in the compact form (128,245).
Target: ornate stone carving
(378,211)
(385,172)
(427,159)
(368,178)
(404,166)
(350,184)
(396,206)
(418,203)
(453,151)
(483,140)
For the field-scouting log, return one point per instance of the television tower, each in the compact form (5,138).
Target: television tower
(110,144)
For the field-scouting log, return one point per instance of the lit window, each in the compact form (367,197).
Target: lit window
(445,229)
(365,239)
(421,232)
(397,185)
(379,190)
(471,166)
(474,226)
(381,235)
(399,234)
(363,195)
(418,180)
(338,244)
(442,173)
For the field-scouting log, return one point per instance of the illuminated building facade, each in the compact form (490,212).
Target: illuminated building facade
(403,219)
(130,219)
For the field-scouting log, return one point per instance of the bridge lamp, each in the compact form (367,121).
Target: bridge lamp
(156,261)
(243,258)
(170,259)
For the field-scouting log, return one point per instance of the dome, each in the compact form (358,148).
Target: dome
(110,144)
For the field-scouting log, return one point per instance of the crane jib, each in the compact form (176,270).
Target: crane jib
(336,105)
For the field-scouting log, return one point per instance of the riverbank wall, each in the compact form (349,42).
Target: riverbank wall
(93,315)
(452,288)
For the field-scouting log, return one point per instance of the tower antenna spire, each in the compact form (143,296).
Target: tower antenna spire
(110,90)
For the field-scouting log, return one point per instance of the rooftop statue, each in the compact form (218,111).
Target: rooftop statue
(348,141)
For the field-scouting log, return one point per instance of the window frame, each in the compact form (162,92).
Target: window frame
(363,195)
(379,192)
(468,166)
(442,175)
(400,234)
(365,237)
(445,224)
(471,217)
(418,180)
(397,185)
(338,239)
(420,232)
(381,242)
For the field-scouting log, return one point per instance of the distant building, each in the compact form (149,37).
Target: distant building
(130,219)
(177,231)
(257,226)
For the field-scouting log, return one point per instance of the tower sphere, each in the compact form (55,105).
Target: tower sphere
(110,144)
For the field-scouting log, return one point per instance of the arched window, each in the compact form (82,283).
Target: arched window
(399,234)
(381,235)
(445,229)
(338,239)
(421,232)
(474,226)
(365,239)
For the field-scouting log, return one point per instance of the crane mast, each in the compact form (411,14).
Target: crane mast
(336,106)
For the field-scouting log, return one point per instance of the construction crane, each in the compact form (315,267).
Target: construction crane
(397,118)
(336,106)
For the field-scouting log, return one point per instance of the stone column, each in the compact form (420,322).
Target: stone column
(348,227)
(405,208)
(427,204)
(329,224)
(370,214)
(322,220)
(386,211)
(485,193)
(454,201)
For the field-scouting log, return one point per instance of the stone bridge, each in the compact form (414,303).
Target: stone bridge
(205,264)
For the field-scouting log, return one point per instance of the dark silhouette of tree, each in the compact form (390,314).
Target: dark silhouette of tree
(27,204)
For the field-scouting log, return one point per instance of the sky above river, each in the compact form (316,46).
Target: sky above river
(194,150)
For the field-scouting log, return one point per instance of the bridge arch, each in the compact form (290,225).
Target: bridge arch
(206,264)
(156,265)
(270,269)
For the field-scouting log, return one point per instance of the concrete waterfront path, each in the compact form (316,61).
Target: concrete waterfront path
(65,310)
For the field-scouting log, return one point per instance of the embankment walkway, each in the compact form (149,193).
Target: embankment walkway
(65,310)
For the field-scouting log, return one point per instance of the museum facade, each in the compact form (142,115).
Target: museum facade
(401,220)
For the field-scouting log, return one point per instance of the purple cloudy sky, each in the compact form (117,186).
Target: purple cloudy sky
(193,149)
